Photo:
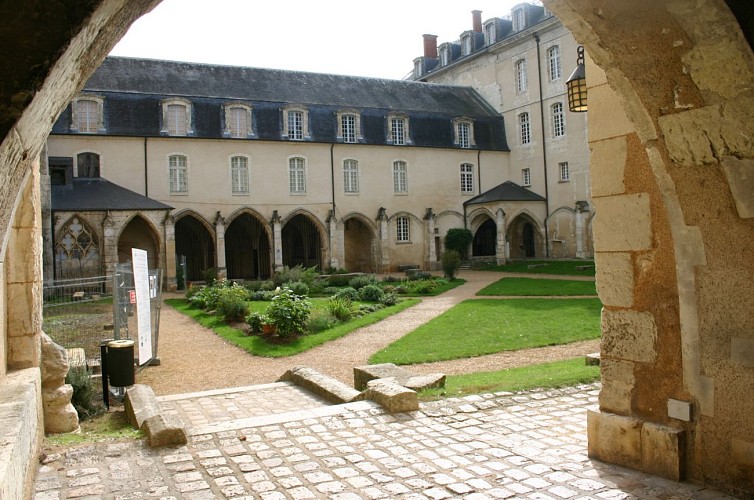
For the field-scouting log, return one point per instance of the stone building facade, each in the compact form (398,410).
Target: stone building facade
(670,132)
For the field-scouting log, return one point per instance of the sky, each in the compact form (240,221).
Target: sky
(350,37)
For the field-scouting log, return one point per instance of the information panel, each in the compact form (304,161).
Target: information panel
(141,284)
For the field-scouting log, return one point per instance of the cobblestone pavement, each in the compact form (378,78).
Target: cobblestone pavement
(527,445)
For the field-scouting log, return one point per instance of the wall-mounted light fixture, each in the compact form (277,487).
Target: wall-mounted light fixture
(576,84)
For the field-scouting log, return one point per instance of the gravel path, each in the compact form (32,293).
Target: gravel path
(193,358)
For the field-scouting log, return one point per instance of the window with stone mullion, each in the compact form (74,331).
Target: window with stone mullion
(297,179)
(351,176)
(239,168)
(400,177)
(178,174)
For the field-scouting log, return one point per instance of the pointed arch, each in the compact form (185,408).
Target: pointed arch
(303,237)
(78,253)
(248,245)
(138,231)
(194,244)
(359,242)
(525,236)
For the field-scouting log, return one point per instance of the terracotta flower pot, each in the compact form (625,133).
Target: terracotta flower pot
(269,328)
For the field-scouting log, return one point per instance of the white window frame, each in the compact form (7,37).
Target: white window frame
(464,132)
(444,54)
(522,80)
(349,133)
(92,119)
(565,173)
(169,125)
(178,174)
(519,19)
(554,69)
(526,177)
(403,229)
(558,120)
(400,177)
(239,174)
(297,174)
(299,131)
(350,176)
(233,129)
(398,131)
(466,43)
(467,178)
(490,33)
(524,128)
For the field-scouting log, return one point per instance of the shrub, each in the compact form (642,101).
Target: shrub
(289,312)
(332,270)
(459,240)
(210,275)
(231,302)
(331,290)
(338,280)
(402,289)
(369,308)
(85,394)
(371,293)
(317,287)
(420,275)
(262,295)
(389,299)
(293,274)
(191,291)
(349,293)
(390,279)
(255,321)
(359,282)
(319,321)
(340,308)
(253,286)
(421,287)
(299,288)
(267,286)
(451,261)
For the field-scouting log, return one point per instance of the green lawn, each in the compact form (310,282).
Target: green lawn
(567,267)
(260,347)
(539,287)
(487,326)
(547,375)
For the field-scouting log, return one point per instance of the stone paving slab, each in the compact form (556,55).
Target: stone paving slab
(526,445)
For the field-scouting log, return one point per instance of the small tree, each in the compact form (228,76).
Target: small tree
(459,240)
(451,261)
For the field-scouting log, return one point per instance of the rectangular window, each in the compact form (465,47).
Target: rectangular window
(176,117)
(466,45)
(297,175)
(350,176)
(489,34)
(464,134)
(348,124)
(467,178)
(558,120)
(519,19)
(398,131)
(403,234)
(521,78)
(444,55)
(400,177)
(524,128)
(238,122)
(239,171)
(296,125)
(526,177)
(178,174)
(553,63)
(565,175)
(87,116)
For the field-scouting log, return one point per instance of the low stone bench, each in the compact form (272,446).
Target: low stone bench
(144,413)
(393,397)
(326,387)
(362,375)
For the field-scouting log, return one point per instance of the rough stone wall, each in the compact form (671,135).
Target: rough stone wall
(671,181)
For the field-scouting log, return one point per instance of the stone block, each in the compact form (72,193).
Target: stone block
(140,404)
(740,176)
(742,452)
(629,335)
(614,439)
(607,164)
(679,410)
(427,381)
(26,256)
(363,374)
(617,385)
(742,350)
(607,125)
(323,386)
(615,278)
(54,364)
(23,352)
(592,359)
(164,430)
(662,451)
(393,397)
(623,224)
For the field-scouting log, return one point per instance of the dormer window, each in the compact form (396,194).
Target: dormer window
(349,126)
(87,115)
(464,132)
(295,123)
(490,33)
(176,118)
(466,43)
(444,54)
(519,19)
(398,130)
(238,121)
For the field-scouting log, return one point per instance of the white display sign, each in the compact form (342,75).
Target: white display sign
(142,285)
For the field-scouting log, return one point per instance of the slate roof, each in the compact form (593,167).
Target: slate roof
(90,193)
(507,191)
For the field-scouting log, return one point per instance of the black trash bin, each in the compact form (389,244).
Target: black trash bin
(120,363)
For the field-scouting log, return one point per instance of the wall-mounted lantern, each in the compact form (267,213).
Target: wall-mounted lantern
(576,84)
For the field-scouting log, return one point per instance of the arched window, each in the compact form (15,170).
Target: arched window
(88,164)
(553,63)
(76,251)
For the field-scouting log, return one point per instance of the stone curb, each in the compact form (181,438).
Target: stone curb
(144,413)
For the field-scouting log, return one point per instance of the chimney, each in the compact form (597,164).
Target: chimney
(430,46)
(477,17)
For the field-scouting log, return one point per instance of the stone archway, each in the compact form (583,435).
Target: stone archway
(358,240)
(247,248)
(525,238)
(302,244)
(485,239)
(139,234)
(194,242)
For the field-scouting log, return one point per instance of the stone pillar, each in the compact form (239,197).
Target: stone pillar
(582,207)
(429,245)
(500,247)
(384,259)
(277,240)
(109,244)
(222,271)
(170,263)
(59,414)
(336,249)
